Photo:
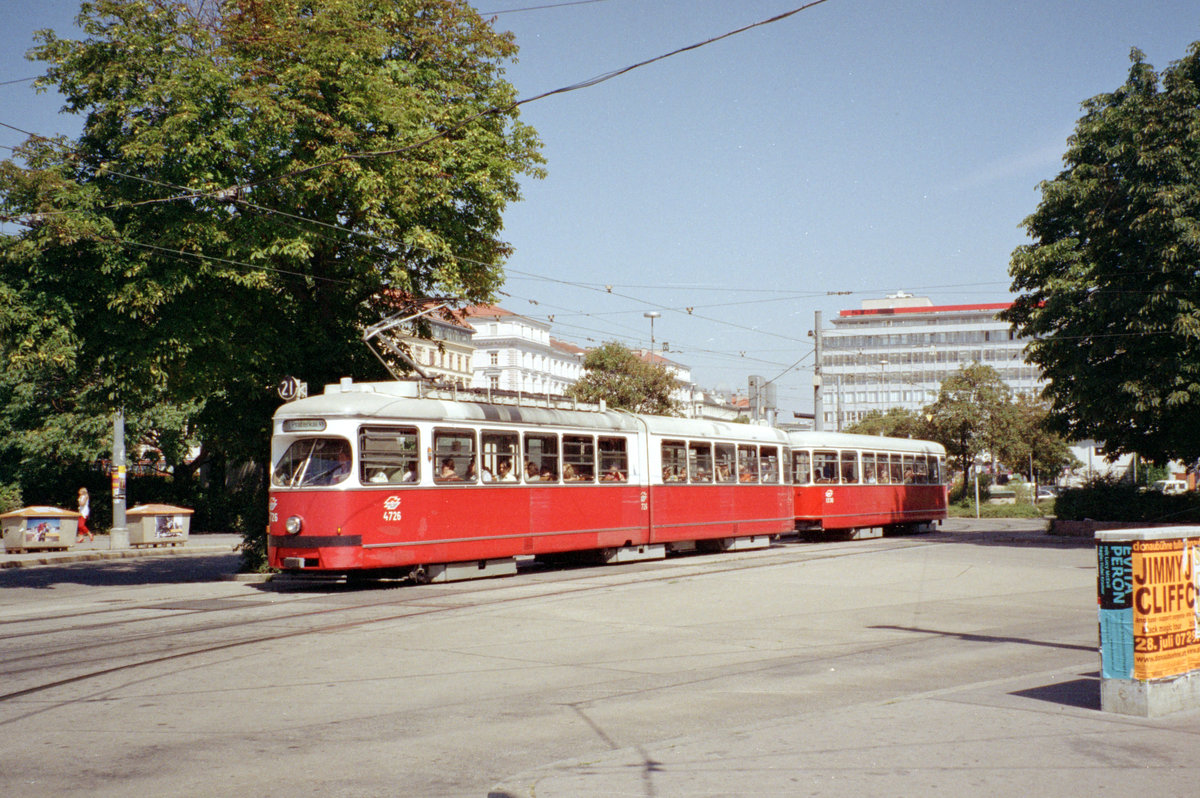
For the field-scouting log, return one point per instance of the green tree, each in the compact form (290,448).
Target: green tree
(254,183)
(624,381)
(1108,286)
(1030,440)
(897,422)
(972,415)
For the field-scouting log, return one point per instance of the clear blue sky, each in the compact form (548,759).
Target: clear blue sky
(860,146)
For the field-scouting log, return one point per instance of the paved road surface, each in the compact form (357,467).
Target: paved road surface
(958,663)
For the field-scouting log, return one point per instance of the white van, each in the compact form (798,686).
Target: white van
(1170,487)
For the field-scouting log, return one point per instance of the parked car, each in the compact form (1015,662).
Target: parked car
(1047,492)
(1171,487)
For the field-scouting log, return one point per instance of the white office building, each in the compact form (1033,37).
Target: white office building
(897,351)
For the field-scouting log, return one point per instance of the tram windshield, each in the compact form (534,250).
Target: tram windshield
(312,462)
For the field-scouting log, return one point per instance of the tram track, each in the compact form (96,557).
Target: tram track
(421,603)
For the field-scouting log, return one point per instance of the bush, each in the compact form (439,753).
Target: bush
(10,498)
(1106,501)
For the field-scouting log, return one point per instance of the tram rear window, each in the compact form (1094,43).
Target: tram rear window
(388,455)
(501,456)
(700,465)
(769,463)
(453,455)
(725,463)
(614,460)
(849,468)
(541,458)
(674,461)
(579,458)
(747,463)
(801,468)
(313,462)
(825,467)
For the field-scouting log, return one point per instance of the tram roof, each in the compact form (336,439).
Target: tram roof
(396,401)
(811,439)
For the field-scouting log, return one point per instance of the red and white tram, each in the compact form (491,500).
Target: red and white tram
(863,485)
(402,478)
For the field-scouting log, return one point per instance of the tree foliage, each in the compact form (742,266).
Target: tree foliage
(254,183)
(897,422)
(624,381)
(1108,288)
(972,414)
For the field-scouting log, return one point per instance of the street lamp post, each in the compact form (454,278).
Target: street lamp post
(652,315)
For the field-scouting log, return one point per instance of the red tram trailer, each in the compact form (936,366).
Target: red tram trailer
(864,485)
(437,485)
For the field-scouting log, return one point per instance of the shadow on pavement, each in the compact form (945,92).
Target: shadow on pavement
(1083,693)
(133,571)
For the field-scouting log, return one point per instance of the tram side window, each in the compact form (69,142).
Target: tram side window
(935,470)
(897,470)
(541,458)
(700,466)
(674,461)
(747,463)
(801,467)
(768,458)
(825,467)
(389,455)
(614,460)
(920,470)
(725,465)
(501,455)
(910,476)
(313,462)
(579,458)
(454,455)
(849,468)
(883,472)
(868,468)
(786,461)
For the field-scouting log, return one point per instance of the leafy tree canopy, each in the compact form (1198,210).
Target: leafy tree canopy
(624,381)
(972,414)
(1109,286)
(897,422)
(255,181)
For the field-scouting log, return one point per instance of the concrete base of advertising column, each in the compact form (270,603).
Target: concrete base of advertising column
(1150,699)
(118,538)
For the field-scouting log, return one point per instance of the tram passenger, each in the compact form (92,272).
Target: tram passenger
(410,472)
(532,474)
(569,474)
(448,474)
(378,475)
(547,475)
(504,471)
(613,474)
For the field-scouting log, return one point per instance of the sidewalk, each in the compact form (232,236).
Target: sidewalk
(100,549)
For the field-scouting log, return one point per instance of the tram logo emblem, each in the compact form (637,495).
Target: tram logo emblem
(391,503)
(274,502)
(829,495)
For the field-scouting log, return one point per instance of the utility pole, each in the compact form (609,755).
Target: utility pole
(818,409)
(118,536)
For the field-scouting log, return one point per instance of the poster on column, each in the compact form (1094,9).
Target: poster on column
(1165,642)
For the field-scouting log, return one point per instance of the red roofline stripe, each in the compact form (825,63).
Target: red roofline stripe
(925,309)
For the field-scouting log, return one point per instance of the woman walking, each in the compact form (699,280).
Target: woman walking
(85,511)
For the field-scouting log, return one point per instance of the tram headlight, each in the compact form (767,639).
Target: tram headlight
(293,525)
